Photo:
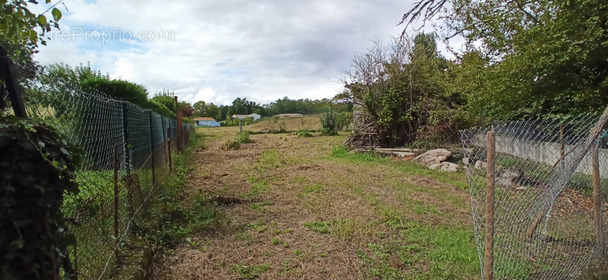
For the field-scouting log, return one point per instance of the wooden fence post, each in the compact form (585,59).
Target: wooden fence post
(489,227)
(597,200)
(562,146)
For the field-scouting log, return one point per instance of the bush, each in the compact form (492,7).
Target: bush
(37,170)
(242,137)
(329,123)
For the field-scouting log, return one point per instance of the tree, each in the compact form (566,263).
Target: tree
(200,109)
(539,57)
(401,89)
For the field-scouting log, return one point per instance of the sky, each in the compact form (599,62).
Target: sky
(218,50)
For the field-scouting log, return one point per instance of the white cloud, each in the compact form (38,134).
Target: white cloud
(220,50)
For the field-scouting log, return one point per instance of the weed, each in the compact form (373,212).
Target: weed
(316,188)
(203,246)
(257,189)
(251,271)
(259,206)
(260,226)
(319,227)
(269,160)
(232,145)
(304,133)
(276,241)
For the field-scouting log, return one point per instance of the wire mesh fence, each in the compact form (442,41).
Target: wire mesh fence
(538,192)
(123,148)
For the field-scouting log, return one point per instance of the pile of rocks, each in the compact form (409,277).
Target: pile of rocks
(436,159)
(504,176)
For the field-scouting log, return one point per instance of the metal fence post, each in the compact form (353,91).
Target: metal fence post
(7,74)
(125,130)
(116,216)
(152,146)
(489,227)
(169,149)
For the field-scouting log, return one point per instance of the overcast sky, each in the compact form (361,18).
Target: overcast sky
(222,49)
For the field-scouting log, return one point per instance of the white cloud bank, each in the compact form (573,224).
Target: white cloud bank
(219,50)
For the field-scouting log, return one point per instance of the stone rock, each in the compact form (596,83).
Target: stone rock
(466,160)
(481,165)
(507,177)
(445,166)
(433,157)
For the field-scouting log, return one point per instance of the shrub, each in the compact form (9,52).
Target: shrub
(242,137)
(37,170)
(329,123)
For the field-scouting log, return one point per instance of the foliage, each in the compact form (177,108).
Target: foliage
(401,90)
(21,30)
(304,133)
(161,109)
(329,123)
(344,120)
(179,219)
(119,89)
(203,109)
(530,58)
(242,137)
(321,227)
(37,170)
(166,98)
(280,106)
(251,271)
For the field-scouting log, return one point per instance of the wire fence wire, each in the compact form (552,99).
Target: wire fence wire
(547,224)
(110,136)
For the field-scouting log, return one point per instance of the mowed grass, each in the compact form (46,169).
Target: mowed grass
(313,210)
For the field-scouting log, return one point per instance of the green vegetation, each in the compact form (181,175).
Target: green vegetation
(304,133)
(37,171)
(329,123)
(321,227)
(251,271)
(178,214)
(22,30)
(240,138)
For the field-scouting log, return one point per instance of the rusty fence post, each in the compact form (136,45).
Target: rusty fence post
(489,226)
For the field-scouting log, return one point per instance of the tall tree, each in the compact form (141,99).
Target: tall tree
(539,57)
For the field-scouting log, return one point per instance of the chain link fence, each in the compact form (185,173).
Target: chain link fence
(123,149)
(538,193)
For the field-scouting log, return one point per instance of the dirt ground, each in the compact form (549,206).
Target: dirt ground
(291,210)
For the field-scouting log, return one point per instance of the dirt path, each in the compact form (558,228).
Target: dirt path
(292,212)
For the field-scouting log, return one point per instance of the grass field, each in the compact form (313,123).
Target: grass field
(305,208)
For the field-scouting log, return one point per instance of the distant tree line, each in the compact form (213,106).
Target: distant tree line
(242,106)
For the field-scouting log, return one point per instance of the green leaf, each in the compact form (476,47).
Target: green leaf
(56,14)
(42,20)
